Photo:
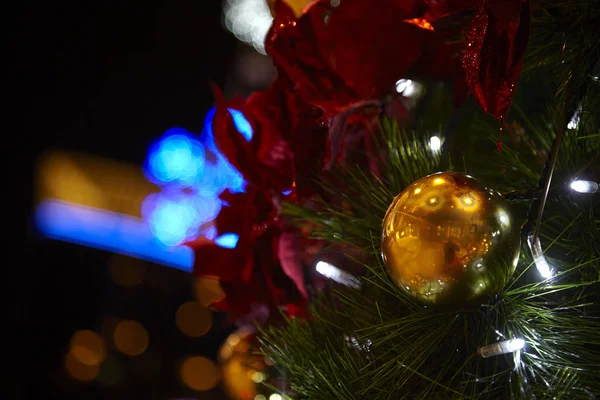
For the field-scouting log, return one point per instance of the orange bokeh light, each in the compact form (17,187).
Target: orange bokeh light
(193,319)
(87,347)
(199,373)
(79,371)
(131,338)
(208,290)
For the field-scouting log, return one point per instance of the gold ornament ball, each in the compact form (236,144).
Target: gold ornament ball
(447,240)
(242,371)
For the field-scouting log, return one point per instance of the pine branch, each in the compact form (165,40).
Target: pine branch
(376,342)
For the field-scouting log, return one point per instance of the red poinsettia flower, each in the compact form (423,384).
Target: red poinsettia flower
(340,54)
(261,271)
(288,142)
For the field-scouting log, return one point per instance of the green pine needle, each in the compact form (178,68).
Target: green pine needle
(375,342)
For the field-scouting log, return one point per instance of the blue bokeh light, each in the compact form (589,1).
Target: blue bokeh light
(242,124)
(227,240)
(107,230)
(192,173)
(177,158)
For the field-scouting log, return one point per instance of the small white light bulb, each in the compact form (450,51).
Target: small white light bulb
(334,273)
(538,257)
(504,347)
(435,143)
(405,87)
(582,186)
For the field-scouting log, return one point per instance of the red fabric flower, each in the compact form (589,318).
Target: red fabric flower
(288,143)
(251,273)
(341,56)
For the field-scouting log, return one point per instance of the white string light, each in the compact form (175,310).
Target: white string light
(504,347)
(334,273)
(538,257)
(582,186)
(435,143)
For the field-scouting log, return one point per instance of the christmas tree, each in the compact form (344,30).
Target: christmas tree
(420,214)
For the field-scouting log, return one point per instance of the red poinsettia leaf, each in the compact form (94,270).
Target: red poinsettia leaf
(234,146)
(241,211)
(290,257)
(502,52)
(294,46)
(371,59)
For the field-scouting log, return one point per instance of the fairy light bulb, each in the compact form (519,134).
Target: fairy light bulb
(504,347)
(334,273)
(539,259)
(582,186)
(435,143)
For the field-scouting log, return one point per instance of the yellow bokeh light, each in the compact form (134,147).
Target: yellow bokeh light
(258,377)
(208,290)
(80,371)
(418,190)
(468,201)
(127,272)
(199,373)
(130,338)
(193,319)
(87,347)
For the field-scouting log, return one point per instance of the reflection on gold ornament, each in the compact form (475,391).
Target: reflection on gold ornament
(447,239)
(241,370)
(297,6)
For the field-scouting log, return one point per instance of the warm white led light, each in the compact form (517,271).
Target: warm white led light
(504,347)
(334,273)
(435,143)
(538,257)
(582,186)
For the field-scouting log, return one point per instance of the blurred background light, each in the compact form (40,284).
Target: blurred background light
(249,21)
(207,290)
(190,174)
(199,373)
(193,319)
(87,347)
(227,240)
(130,338)
(109,231)
(80,371)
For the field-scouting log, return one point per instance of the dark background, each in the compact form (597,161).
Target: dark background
(106,78)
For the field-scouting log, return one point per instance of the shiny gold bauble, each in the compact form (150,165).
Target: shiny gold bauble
(242,371)
(447,239)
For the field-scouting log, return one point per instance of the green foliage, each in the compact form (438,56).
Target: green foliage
(564,44)
(375,342)
(355,201)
